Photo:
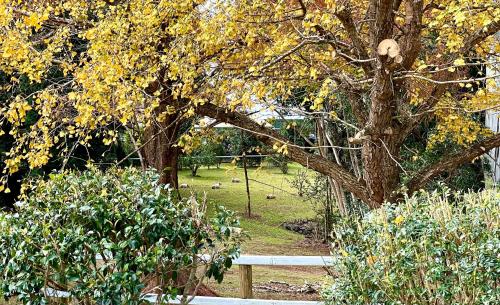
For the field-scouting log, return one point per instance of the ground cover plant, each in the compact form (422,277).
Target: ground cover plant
(429,250)
(148,241)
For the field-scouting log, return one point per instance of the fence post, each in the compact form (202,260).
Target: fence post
(249,207)
(246,282)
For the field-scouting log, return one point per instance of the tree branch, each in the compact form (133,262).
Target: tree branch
(452,162)
(303,7)
(479,36)
(411,44)
(269,137)
(55,20)
(442,79)
(383,13)
(345,16)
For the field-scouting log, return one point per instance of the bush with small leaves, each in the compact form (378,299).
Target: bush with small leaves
(144,237)
(428,250)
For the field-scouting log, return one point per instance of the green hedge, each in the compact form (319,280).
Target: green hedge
(429,250)
(122,215)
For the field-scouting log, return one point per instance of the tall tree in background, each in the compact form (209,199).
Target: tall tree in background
(394,64)
(378,68)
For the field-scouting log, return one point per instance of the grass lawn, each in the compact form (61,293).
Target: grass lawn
(264,228)
(266,234)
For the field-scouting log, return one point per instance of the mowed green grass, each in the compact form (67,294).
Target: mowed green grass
(264,227)
(267,237)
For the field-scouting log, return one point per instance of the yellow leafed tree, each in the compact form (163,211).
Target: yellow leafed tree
(376,69)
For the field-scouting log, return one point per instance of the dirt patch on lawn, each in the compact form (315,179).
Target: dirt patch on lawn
(317,247)
(245,216)
(283,287)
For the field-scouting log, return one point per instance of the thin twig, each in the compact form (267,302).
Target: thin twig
(393,159)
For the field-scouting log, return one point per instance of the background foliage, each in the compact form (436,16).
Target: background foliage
(204,155)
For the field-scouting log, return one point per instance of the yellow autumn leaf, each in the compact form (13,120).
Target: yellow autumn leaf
(459,62)
(399,219)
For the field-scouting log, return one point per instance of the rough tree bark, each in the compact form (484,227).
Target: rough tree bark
(160,152)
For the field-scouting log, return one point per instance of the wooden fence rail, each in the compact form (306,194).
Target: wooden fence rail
(245,264)
(269,260)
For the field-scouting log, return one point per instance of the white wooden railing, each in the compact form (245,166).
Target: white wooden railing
(245,264)
(204,300)
(269,260)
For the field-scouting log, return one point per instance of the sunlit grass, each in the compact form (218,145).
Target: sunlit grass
(267,235)
(264,228)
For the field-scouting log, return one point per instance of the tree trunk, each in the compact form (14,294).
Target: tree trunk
(160,152)
(194,170)
(381,172)
(380,148)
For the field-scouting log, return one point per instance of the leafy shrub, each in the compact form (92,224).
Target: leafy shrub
(428,250)
(144,237)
